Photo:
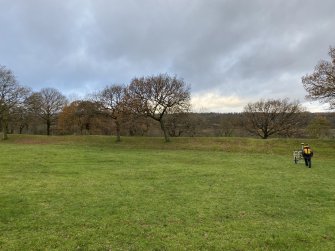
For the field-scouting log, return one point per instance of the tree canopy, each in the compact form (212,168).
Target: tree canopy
(156,96)
(111,100)
(320,84)
(11,95)
(267,117)
(47,104)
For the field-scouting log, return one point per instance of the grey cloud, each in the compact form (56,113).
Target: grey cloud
(244,48)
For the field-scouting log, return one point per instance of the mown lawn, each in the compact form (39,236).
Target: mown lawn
(90,193)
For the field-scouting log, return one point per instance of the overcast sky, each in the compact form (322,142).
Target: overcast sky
(231,52)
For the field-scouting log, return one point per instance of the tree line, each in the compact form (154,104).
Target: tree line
(150,97)
(156,104)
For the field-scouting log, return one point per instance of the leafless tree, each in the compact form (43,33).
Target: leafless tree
(20,118)
(156,96)
(11,95)
(320,85)
(47,104)
(267,117)
(112,102)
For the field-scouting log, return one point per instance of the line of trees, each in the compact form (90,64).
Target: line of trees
(153,96)
(159,98)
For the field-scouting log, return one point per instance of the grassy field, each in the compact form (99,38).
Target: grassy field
(90,193)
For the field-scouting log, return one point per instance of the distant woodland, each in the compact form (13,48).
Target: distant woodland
(88,122)
(160,106)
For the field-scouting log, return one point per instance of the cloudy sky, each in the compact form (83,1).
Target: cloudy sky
(231,52)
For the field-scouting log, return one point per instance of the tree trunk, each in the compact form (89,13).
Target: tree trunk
(265,136)
(4,126)
(4,133)
(48,127)
(166,136)
(118,131)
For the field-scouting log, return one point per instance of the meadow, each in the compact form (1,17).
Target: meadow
(91,193)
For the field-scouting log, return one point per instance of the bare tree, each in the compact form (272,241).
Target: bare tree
(20,118)
(320,85)
(11,96)
(112,102)
(156,96)
(47,104)
(267,117)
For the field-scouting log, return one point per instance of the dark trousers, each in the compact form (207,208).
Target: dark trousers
(308,161)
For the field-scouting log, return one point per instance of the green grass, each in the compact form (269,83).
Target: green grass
(90,193)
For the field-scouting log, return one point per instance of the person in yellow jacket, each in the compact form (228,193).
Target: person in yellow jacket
(307,153)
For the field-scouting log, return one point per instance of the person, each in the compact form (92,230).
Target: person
(307,153)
